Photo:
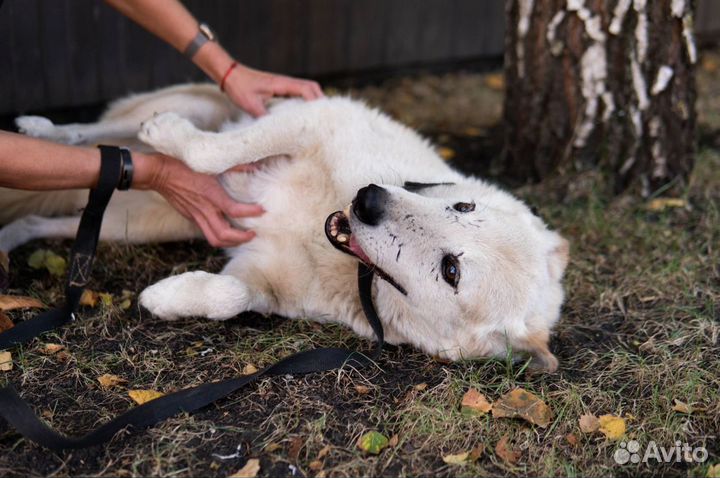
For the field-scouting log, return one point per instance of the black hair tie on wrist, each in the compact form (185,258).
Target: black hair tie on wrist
(126,174)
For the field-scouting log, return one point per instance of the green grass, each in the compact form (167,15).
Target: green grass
(638,330)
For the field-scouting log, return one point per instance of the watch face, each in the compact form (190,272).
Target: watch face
(207,31)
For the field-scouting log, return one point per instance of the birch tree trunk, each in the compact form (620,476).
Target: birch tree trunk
(604,84)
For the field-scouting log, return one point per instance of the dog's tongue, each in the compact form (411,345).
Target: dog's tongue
(357,250)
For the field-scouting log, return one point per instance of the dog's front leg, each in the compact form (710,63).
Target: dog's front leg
(214,153)
(200,294)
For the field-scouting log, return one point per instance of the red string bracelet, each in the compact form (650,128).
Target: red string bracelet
(225,76)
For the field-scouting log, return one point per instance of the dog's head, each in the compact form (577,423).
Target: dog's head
(473,270)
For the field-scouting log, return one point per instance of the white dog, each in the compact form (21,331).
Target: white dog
(466,270)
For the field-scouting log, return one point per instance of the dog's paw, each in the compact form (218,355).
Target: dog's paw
(35,126)
(158,300)
(167,133)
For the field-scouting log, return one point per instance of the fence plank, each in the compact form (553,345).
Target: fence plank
(26,62)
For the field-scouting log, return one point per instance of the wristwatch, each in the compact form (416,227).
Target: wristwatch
(204,35)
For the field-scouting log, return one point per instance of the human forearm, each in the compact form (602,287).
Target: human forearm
(33,164)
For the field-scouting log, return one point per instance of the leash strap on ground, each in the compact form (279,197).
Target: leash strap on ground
(18,414)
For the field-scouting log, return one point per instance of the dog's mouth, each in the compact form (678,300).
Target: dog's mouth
(340,235)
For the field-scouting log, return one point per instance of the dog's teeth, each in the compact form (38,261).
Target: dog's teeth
(342,238)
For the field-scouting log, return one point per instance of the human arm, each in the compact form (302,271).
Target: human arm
(246,87)
(34,164)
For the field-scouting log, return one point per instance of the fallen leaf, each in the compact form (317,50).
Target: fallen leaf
(6,363)
(588,423)
(572,439)
(249,369)
(4,271)
(62,356)
(523,404)
(710,64)
(362,389)
(46,259)
(109,380)
(495,81)
(476,452)
(394,440)
(11,302)
(250,470)
(315,465)
(106,298)
(5,322)
(713,471)
(682,407)
(474,403)
(446,153)
(271,447)
(373,442)
(51,349)
(660,204)
(457,459)
(323,453)
(613,427)
(473,132)
(505,451)
(296,445)
(144,396)
(89,298)
(420,387)
(125,299)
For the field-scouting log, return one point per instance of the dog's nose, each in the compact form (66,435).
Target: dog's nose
(369,204)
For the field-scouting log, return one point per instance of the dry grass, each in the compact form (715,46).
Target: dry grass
(639,329)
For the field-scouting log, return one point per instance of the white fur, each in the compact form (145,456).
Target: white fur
(314,156)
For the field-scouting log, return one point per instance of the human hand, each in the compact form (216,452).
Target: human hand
(249,88)
(196,196)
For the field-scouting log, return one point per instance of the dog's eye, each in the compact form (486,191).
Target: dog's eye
(450,270)
(464,206)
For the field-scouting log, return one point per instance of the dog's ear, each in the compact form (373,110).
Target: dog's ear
(559,256)
(414,187)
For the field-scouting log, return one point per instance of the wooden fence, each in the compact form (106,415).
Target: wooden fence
(59,53)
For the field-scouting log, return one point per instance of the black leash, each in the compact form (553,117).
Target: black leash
(18,414)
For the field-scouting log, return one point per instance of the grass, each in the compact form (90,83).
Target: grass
(639,329)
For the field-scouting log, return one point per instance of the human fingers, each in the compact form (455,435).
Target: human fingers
(227,235)
(307,89)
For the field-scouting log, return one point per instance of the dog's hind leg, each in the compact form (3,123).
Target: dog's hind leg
(278,133)
(200,294)
(134,216)
(204,105)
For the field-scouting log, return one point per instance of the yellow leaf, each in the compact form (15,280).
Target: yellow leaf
(420,387)
(6,363)
(51,349)
(474,403)
(457,459)
(249,369)
(713,471)
(125,304)
(144,396)
(89,298)
(108,381)
(473,132)
(315,465)
(523,404)
(372,442)
(660,204)
(589,423)
(495,81)
(613,427)
(106,298)
(682,407)
(45,259)
(250,470)
(446,153)
(11,302)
